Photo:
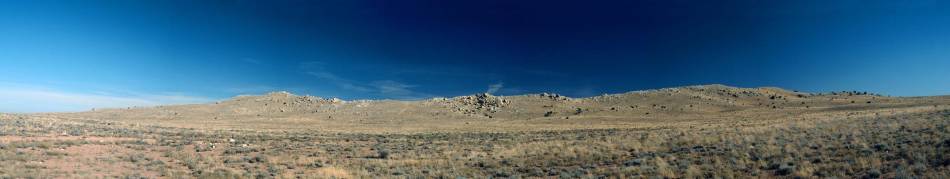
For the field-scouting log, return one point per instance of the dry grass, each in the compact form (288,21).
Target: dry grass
(881,140)
(912,144)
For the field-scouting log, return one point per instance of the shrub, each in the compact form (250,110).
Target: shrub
(382,154)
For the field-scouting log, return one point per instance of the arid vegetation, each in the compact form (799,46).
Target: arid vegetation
(808,136)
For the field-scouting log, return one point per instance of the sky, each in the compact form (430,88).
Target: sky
(74,55)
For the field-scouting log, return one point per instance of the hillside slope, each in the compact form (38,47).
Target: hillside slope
(282,110)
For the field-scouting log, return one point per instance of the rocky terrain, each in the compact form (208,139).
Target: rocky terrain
(708,131)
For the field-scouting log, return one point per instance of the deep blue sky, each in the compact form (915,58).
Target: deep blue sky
(74,55)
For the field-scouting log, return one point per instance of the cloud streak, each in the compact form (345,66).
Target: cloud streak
(493,88)
(339,81)
(251,61)
(385,88)
(393,88)
(23,99)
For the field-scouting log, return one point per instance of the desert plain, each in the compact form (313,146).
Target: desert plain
(706,131)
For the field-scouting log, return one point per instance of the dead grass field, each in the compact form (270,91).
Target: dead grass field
(691,132)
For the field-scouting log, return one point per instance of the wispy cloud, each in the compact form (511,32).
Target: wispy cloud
(251,61)
(392,88)
(493,88)
(385,87)
(21,98)
(254,89)
(339,81)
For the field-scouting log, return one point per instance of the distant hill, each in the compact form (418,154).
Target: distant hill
(679,100)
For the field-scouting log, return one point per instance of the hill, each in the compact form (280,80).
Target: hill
(707,131)
(286,111)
